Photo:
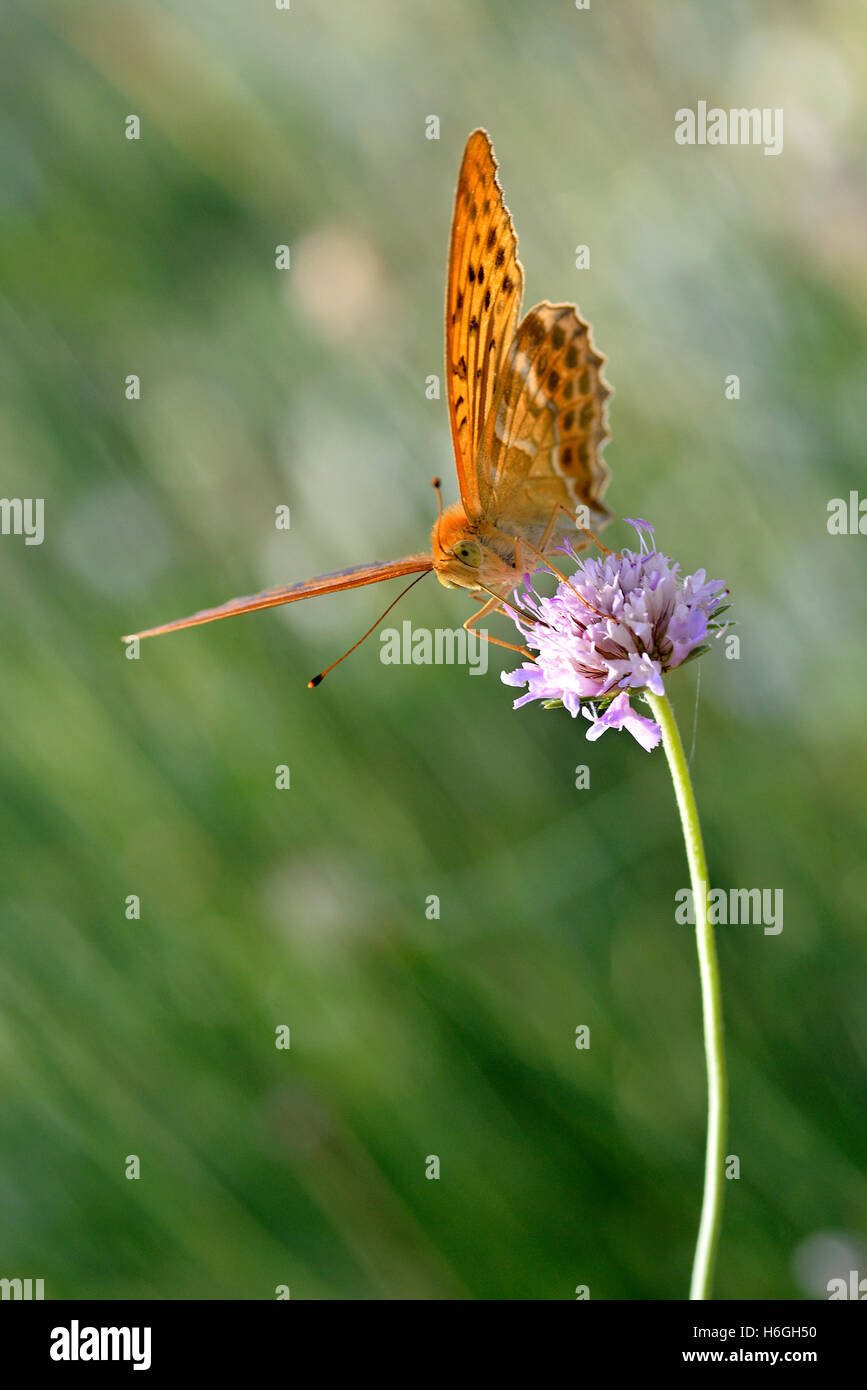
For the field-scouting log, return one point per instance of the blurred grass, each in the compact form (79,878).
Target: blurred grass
(412,1037)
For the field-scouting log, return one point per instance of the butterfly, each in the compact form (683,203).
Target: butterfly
(528,412)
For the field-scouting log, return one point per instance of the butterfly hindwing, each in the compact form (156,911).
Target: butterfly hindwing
(483,299)
(548,423)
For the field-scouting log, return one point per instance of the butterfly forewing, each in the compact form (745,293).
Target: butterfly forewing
(483,298)
(351,578)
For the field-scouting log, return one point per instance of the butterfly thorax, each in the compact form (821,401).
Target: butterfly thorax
(469,554)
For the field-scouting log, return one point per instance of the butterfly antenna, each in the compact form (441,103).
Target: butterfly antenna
(317,680)
(438,489)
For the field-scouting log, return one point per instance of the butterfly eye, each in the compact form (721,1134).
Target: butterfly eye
(470,552)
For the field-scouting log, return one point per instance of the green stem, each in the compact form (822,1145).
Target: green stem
(714,1048)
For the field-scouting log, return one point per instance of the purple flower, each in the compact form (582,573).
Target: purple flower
(617,624)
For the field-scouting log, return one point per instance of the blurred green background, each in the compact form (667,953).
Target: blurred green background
(306,907)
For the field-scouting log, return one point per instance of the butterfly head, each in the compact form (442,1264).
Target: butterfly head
(461,558)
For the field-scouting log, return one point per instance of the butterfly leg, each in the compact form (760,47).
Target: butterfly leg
(549,529)
(494,605)
(520,545)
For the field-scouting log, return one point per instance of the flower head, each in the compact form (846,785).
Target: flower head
(617,624)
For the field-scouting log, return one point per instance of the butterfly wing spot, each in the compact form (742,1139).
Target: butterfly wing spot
(532,332)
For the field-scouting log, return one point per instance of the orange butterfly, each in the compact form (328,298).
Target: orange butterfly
(527,405)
